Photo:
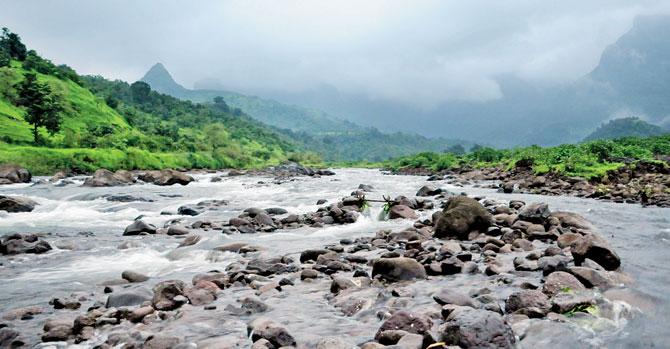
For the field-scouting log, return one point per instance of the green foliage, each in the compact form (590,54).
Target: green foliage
(12,45)
(590,159)
(42,106)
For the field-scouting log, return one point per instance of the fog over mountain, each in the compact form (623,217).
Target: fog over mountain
(503,73)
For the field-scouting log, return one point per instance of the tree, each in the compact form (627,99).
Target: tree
(140,91)
(5,58)
(12,44)
(456,149)
(42,106)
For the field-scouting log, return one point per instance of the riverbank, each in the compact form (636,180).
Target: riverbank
(268,274)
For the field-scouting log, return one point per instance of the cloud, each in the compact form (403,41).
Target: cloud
(421,53)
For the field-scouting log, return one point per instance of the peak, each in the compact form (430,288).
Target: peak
(161,80)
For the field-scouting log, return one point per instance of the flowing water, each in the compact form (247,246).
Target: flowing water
(86,230)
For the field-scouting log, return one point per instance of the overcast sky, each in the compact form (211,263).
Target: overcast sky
(419,52)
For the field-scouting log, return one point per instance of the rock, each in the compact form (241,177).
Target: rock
(461,216)
(334,343)
(596,248)
(107,178)
(275,211)
(199,296)
(567,239)
(15,204)
(476,328)
(14,174)
(138,314)
(23,243)
(398,269)
(321,201)
(165,293)
(253,305)
(128,298)
(133,276)
(10,338)
(166,177)
(177,229)
(411,341)
(447,296)
(189,210)
(559,281)
(528,302)
(428,190)
(312,255)
(402,211)
(309,274)
(190,240)
(237,247)
(57,330)
(65,303)
(535,213)
(566,301)
(407,321)
(278,336)
(592,277)
(139,227)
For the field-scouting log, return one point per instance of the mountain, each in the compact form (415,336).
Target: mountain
(333,138)
(626,127)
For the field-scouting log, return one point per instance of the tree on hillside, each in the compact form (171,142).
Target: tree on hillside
(140,91)
(4,58)
(11,43)
(42,106)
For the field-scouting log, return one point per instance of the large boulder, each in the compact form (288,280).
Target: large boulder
(398,269)
(14,174)
(476,328)
(14,204)
(165,177)
(594,247)
(26,243)
(107,178)
(169,295)
(461,216)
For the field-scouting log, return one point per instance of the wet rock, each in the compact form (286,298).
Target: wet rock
(199,296)
(596,248)
(561,281)
(14,174)
(10,338)
(592,277)
(409,322)
(107,178)
(341,283)
(535,213)
(312,255)
(133,276)
(166,177)
(278,336)
(23,243)
(566,301)
(366,187)
(139,227)
(428,190)
(65,303)
(447,296)
(275,211)
(237,247)
(532,303)
(138,314)
(461,215)
(398,269)
(309,274)
(177,229)
(189,210)
(572,220)
(476,328)
(15,204)
(128,298)
(321,201)
(57,330)
(402,211)
(166,293)
(568,239)
(190,240)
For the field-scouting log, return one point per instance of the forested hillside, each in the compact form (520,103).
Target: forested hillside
(99,123)
(626,127)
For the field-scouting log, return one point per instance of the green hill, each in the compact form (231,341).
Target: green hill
(626,127)
(115,125)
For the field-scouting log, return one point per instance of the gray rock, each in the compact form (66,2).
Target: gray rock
(139,227)
(398,269)
(561,281)
(476,328)
(535,213)
(14,174)
(166,293)
(107,178)
(166,177)
(128,298)
(335,343)
(133,276)
(532,303)
(461,216)
(23,243)
(402,211)
(15,204)
(407,321)
(593,246)
(428,190)
(278,336)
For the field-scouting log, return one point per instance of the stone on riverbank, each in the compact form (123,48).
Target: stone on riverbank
(14,174)
(398,269)
(107,178)
(15,204)
(461,215)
